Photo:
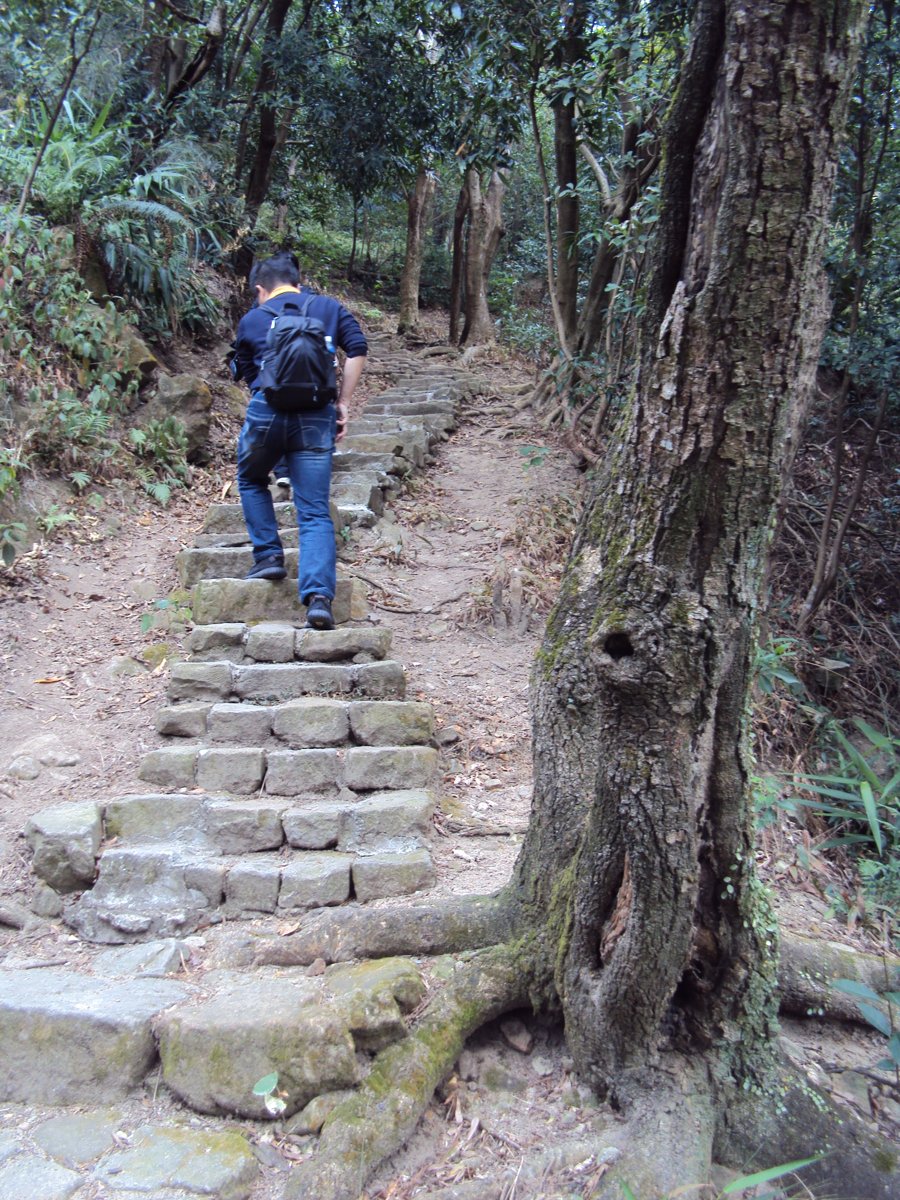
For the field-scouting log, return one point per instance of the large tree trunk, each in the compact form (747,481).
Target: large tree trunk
(269,126)
(418,203)
(641,840)
(457,269)
(566,155)
(485,212)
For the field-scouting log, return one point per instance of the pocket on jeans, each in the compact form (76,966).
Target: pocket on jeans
(317,430)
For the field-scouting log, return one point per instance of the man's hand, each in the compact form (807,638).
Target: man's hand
(353,368)
(341,422)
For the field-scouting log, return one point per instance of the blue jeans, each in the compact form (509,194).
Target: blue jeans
(306,442)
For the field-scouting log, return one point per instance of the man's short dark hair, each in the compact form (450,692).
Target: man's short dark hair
(281,268)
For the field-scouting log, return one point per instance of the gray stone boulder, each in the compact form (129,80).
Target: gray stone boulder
(188,399)
(339,645)
(307,1030)
(157,818)
(388,821)
(205,1162)
(379,875)
(70,1039)
(214,1052)
(315,881)
(65,842)
(373,996)
(310,721)
(392,723)
(144,892)
(131,354)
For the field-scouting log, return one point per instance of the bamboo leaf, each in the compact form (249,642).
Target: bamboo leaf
(877,1019)
(871,808)
(747,1181)
(852,987)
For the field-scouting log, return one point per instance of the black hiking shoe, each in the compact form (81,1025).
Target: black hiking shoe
(318,613)
(267,568)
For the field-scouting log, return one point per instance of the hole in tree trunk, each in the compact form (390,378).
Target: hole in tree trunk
(618,645)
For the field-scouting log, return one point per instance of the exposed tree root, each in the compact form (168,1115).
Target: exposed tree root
(667,1138)
(377,1120)
(339,935)
(809,966)
(673,1126)
(798,1121)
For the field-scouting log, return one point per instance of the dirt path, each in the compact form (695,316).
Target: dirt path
(81,681)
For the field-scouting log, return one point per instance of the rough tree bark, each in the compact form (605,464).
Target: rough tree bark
(267,136)
(641,836)
(485,229)
(460,215)
(571,50)
(418,203)
(634,907)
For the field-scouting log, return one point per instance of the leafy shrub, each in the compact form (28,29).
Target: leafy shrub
(57,353)
(162,447)
(61,392)
(146,229)
(860,799)
(528,334)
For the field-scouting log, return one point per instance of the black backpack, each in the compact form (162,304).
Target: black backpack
(297,373)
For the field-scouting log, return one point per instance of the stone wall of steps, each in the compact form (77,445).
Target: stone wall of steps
(294,773)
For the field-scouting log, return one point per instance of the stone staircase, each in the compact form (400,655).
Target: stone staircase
(295,774)
(291,774)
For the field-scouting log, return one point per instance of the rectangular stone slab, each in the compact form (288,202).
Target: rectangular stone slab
(229,518)
(70,1039)
(251,600)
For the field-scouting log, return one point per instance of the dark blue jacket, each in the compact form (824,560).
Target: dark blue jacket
(250,339)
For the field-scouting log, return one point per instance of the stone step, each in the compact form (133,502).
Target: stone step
(409,405)
(66,840)
(167,890)
(218,601)
(274,682)
(234,562)
(102,1148)
(312,771)
(393,820)
(443,393)
(91,1037)
(409,444)
(435,425)
(229,518)
(347,462)
(225,526)
(279,641)
(302,724)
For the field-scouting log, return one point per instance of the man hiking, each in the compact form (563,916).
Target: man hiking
(304,439)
